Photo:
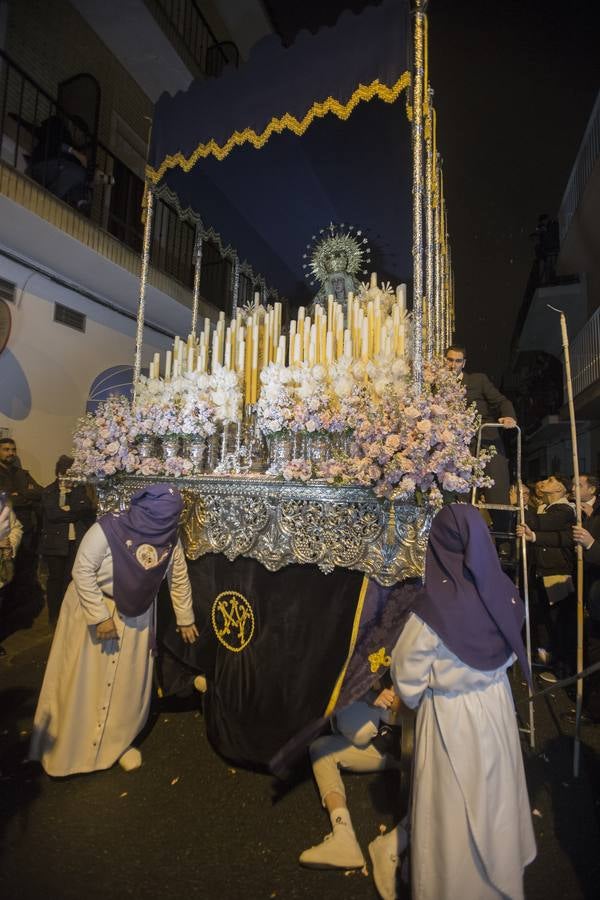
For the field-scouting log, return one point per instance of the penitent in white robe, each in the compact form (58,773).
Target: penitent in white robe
(95,697)
(471,831)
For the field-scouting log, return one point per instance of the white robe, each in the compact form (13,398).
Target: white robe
(471,831)
(95,696)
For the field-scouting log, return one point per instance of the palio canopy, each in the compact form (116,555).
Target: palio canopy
(296,138)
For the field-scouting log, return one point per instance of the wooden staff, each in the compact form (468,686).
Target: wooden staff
(579,549)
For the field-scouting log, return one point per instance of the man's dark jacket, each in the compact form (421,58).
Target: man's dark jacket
(553,549)
(25,493)
(55,528)
(491,404)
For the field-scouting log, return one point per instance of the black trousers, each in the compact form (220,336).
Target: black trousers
(59,576)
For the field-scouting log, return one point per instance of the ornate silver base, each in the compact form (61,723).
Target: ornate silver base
(281,523)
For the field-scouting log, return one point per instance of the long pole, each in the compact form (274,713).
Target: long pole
(139,333)
(197,270)
(418,187)
(429,232)
(569,382)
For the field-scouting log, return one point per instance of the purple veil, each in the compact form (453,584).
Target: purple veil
(469,602)
(142,541)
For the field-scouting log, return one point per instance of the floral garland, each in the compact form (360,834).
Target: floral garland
(416,446)
(191,406)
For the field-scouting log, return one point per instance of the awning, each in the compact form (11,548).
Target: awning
(295,139)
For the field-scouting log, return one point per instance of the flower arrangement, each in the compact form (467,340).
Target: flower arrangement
(102,444)
(414,445)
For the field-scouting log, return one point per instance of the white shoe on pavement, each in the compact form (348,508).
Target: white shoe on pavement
(385,852)
(339,850)
(131,759)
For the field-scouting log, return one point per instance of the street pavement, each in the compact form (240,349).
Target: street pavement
(190,825)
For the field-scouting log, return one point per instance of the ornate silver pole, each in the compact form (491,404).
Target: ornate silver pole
(139,334)
(439,321)
(197,270)
(417,161)
(235,285)
(429,235)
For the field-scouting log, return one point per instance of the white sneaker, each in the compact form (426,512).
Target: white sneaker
(131,759)
(339,850)
(386,860)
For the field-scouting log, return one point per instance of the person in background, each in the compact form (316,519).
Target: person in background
(492,406)
(354,747)
(589,486)
(96,692)
(10,538)
(24,494)
(59,160)
(67,513)
(471,834)
(588,536)
(550,534)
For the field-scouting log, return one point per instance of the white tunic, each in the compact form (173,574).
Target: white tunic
(96,694)
(471,831)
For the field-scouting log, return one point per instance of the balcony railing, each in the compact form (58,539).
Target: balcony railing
(186,18)
(114,198)
(588,155)
(585,355)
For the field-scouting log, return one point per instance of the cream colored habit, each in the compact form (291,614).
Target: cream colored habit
(95,696)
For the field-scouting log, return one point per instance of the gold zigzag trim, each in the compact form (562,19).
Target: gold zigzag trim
(277,125)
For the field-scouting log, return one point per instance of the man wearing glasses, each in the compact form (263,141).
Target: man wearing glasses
(492,406)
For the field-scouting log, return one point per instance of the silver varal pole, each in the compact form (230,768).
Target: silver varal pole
(139,334)
(197,272)
(418,187)
(235,286)
(429,236)
(439,324)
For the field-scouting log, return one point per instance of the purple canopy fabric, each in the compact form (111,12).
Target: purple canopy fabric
(142,541)
(469,602)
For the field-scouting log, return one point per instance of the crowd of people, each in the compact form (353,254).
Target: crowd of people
(467,832)
(46,526)
(552,535)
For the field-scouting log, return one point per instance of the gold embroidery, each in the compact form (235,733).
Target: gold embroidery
(278,124)
(379,659)
(232,620)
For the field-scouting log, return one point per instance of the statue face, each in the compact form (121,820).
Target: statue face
(336,262)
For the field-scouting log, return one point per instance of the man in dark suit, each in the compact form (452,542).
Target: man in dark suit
(67,515)
(492,406)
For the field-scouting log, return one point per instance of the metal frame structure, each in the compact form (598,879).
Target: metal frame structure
(521,546)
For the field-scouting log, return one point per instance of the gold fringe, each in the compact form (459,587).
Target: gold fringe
(357,616)
(277,125)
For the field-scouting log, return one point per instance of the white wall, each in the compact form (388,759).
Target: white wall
(47,368)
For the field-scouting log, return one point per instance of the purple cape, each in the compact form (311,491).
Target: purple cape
(468,601)
(142,541)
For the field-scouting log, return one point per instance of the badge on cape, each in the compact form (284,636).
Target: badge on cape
(147,556)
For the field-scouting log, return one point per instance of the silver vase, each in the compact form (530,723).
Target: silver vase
(147,446)
(318,447)
(170,445)
(280,451)
(193,449)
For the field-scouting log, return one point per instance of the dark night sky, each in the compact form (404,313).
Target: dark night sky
(515,82)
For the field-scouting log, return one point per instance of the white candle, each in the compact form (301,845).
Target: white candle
(168,357)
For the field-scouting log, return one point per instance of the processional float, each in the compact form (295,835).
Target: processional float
(312,448)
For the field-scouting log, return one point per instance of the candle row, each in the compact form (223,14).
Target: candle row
(253,339)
